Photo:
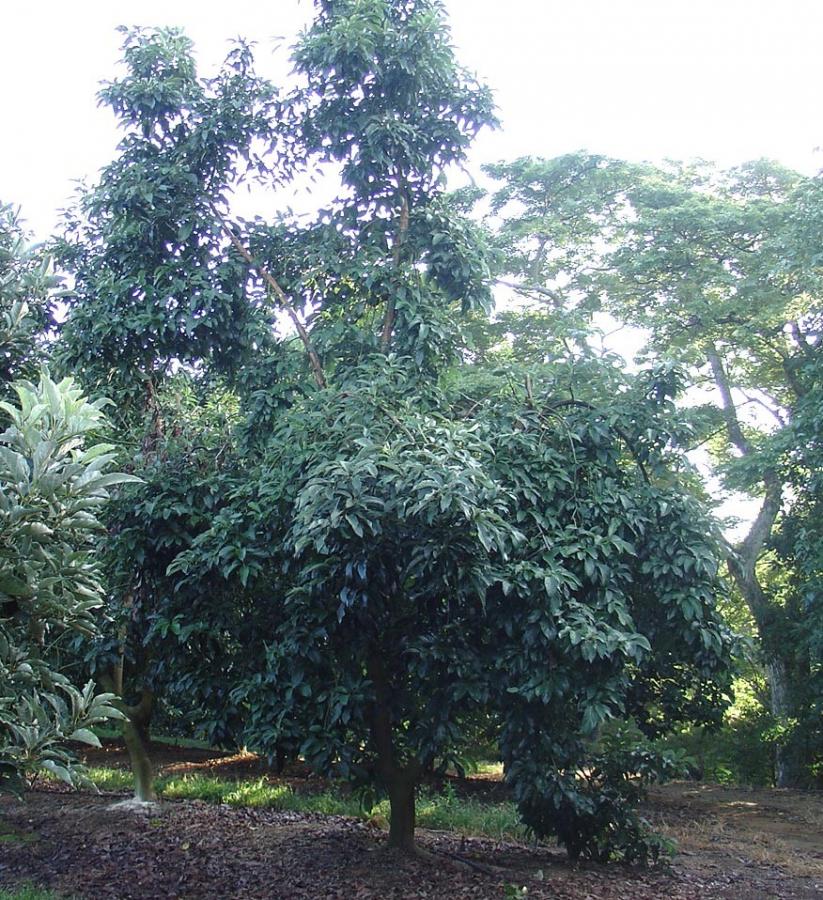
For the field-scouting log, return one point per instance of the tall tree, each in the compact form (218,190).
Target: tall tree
(439,556)
(417,554)
(720,269)
(155,290)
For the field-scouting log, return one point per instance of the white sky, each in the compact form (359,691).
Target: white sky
(728,80)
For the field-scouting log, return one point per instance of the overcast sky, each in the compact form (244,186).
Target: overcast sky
(728,80)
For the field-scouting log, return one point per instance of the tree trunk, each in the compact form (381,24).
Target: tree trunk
(402,818)
(280,759)
(789,764)
(399,780)
(779,655)
(136,731)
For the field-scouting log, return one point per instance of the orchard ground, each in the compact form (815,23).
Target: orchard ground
(229,828)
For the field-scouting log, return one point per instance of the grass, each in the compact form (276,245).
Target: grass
(116,734)
(26,892)
(440,811)
(447,812)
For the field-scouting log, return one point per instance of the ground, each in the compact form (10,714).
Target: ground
(733,843)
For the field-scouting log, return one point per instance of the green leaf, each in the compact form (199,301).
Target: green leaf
(85,736)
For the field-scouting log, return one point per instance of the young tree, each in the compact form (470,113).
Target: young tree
(433,557)
(52,485)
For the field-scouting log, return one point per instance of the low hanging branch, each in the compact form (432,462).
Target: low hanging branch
(271,281)
(391,308)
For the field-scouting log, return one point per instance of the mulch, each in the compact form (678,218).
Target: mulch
(82,846)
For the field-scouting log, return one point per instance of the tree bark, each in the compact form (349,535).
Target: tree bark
(391,306)
(136,733)
(768,616)
(785,770)
(401,788)
(789,769)
(400,781)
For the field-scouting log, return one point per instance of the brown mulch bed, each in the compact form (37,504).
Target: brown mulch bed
(734,844)
(80,845)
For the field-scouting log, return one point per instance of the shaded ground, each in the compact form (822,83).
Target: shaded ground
(750,843)
(733,844)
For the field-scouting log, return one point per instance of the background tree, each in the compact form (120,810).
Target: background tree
(718,267)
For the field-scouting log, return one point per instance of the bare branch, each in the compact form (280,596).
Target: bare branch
(531,289)
(769,409)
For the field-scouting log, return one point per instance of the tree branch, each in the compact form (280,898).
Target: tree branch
(391,306)
(760,402)
(314,359)
(523,289)
(752,545)
(721,380)
(581,404)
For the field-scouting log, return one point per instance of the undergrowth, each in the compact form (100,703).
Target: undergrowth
(441,811)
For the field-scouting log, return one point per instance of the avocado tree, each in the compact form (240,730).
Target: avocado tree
(27,290)
(517,545)
(156,296)
(53,484)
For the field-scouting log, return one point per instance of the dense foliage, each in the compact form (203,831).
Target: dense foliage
(374,520)
(432,558)
(723,272)
(53,482)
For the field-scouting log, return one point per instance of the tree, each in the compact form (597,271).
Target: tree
(53,482)
(155,293)
(416,546)
(719,267)
(27,289)
(524,553)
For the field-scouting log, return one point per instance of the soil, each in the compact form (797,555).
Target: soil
(733,843)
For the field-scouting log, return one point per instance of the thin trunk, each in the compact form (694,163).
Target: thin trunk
(399,781)
(399,239)
(281,757)
(721,379)
(314,360)
(402,816)
(136,733)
